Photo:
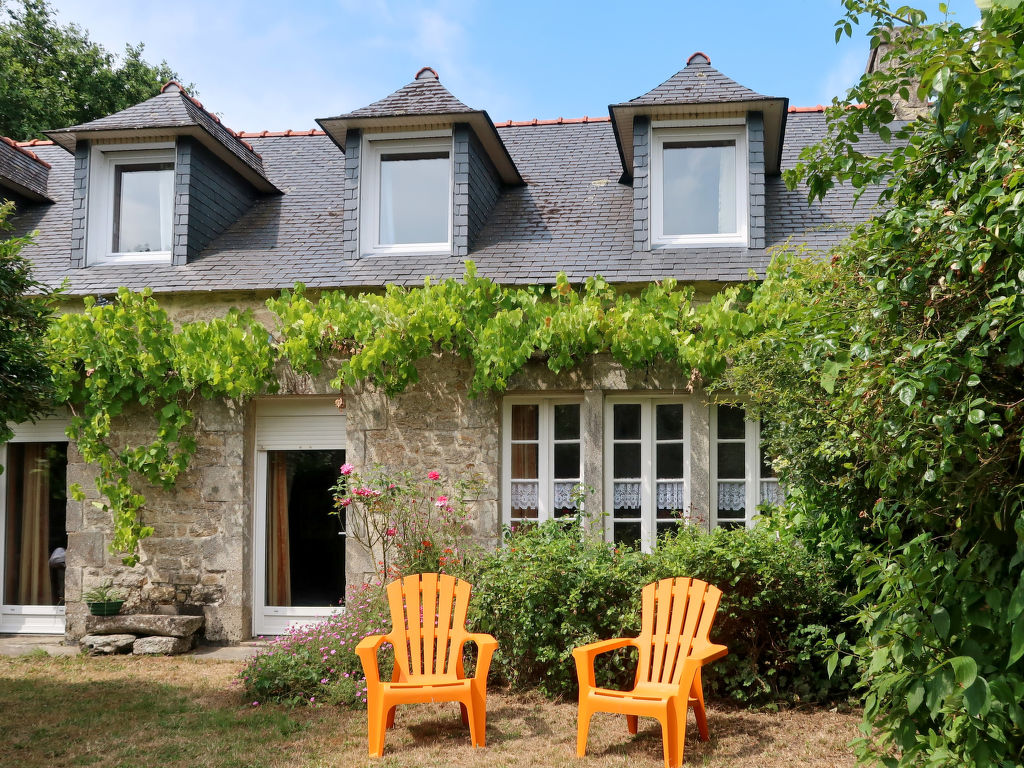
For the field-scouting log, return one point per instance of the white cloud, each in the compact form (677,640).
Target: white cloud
(843,75)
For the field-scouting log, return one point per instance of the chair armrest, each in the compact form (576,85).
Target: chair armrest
(367,652)
(705,654)
(584,656)
(486,646)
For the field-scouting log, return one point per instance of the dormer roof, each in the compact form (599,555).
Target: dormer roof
(174,112)
(425,104)
(700,90)
(22,171)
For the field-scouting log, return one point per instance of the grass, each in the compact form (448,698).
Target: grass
(128,711)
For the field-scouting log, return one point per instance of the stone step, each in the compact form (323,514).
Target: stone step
(144,624)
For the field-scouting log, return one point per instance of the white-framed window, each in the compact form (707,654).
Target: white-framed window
(406,194)
(699,192)
(131,203)
(741,473)
(542,458)
(646,467)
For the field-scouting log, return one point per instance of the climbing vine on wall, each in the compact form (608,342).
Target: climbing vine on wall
(126,352)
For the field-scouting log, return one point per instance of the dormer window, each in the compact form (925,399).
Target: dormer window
(699,186)
(406,195)
(131,203)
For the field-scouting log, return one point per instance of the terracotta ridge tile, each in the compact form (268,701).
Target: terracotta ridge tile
(557,121)
(274,134)
(21,148)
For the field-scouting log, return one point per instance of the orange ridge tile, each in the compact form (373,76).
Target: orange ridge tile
(20,146)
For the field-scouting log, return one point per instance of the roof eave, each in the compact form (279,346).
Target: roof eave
(34,195)
(68,139)
(478,120)
(774,110)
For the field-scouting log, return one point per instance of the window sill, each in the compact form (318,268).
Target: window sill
(702,242)
(156,257)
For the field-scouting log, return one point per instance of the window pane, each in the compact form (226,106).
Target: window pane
(670,421)
(414,198)
(626,420)
(626,501)
(730,460)
(524,422)
(665,527)
(524,500)
(524,462)
(670,460)
(567,461)
(627,533)
(143,202)
(730,423)
(626,460)
(567,422)
(700,188)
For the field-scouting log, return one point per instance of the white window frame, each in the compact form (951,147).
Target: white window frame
(648,461)
(28,619)
(725,129)
(369,195)
(287,424)
(103,160)
(751,465)
(545,452)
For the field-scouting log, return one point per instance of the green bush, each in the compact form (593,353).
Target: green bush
(780,612)
(549,590)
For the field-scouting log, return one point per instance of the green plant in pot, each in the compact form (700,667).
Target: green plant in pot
(104,600)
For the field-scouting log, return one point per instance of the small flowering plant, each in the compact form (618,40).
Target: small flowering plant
(317,663)
(408,523)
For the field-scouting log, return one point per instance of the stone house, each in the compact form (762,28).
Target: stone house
(683,181)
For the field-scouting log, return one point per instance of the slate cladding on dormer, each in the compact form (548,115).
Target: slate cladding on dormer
(699,95)
(217,175)
(480,163)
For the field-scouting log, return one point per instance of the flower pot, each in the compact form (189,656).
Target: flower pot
(107,608)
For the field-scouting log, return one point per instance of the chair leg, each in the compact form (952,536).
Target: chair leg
(478,715)
(391,718)
(632,723)
(678,713)
(670,738)
(699,713)
(582,729)
(465,714)
(376,720)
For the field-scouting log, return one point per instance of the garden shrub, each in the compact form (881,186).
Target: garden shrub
(549,590)
(317,663)
(780,612)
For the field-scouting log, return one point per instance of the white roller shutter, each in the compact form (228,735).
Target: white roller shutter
(49,429)
(299,424)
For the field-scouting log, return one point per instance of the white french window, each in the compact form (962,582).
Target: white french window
(742,475)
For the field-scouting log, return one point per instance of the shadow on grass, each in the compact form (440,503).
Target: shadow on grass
(48,720)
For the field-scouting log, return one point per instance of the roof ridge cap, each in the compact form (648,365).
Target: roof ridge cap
(556,121)
(275,134)
(17,146)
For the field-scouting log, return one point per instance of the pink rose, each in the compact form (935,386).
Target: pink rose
(433,475)
(346,501)
(441,501)
(391,531)
(346,469)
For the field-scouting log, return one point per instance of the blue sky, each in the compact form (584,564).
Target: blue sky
(275,65)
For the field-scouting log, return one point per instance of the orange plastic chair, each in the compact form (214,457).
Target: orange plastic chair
(673,644)
(428,618)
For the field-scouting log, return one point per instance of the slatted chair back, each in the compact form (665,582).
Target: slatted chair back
(428,615)
(676,615)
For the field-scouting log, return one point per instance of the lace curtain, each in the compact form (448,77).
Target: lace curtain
(732,495)
(627,496)
(671,495)
(771,492)
(524,496)
(563,495)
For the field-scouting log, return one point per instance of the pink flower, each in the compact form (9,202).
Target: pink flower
(255,703)
(346,501)
(441,501)
(346,468)
(390,532)
(433,475)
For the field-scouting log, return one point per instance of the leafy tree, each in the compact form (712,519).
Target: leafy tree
(25,309)
(895,373)
(55,76)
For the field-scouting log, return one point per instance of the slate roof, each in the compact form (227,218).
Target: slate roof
(423,96)
(572,215)
(21,170)
(171,109)
(698,83)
